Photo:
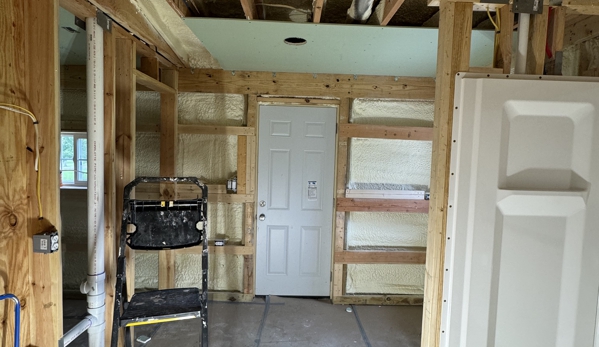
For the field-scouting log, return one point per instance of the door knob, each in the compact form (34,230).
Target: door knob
(262,217)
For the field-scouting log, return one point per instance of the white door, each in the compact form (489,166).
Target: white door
(296,163)
(522,255)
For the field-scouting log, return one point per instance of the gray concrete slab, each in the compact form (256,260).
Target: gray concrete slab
(309,322)
(391,326)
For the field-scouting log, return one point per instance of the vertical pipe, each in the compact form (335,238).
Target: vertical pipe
(94,286)
(523,28)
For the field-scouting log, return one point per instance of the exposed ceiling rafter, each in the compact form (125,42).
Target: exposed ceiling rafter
(386,10)
(249,8)
(317,8)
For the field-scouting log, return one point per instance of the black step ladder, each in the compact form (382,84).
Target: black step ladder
(161,225)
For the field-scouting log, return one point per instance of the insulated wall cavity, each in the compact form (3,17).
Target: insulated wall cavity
(381,164)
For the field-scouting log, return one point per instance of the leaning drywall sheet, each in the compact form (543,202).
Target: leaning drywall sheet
(388,164)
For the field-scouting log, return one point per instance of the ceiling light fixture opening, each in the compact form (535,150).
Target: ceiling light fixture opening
(295,41)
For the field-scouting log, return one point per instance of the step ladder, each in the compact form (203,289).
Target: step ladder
(161,225)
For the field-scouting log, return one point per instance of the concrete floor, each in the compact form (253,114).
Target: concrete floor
(281,322)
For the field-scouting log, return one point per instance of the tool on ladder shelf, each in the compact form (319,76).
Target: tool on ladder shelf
(17,316)
(161,225)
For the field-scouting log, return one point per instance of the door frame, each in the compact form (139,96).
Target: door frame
(304,102)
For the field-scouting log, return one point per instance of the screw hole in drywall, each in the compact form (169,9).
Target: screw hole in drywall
(295,41)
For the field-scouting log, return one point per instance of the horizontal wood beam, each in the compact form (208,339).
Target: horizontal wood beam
(379,300)
(291,84)
(478,5)
(215,130)
(186,191)
(230,296)
(582,29)
(153,84)
(582,6)
(386,132)
(381,205)
(414,255)
(385,10)
(212,249)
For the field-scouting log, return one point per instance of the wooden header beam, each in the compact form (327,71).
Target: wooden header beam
(386,132)
(149,82)
(285,83)
(408,255)
(382,205)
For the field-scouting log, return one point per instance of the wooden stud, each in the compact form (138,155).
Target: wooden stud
(537,42)
(317,8)
(409,255)
(80,8)
(150,67)
(386,132)
(110,212)
(503,53)
(555,40)
(241,164)
(284,83)
(379,300)
(277,100)
(247,157)
(125,138)
(249,8)
(168,154)
(453,56)
(590,7)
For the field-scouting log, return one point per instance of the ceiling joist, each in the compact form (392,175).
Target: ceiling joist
(317,8)
(386,10)
(249,8)
(180,7)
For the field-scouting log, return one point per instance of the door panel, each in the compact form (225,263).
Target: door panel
(522,266)
(296,157)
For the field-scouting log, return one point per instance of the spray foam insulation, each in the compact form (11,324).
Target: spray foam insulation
(388,164)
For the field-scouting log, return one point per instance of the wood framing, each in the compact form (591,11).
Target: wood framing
(503,54)
(331,85)
(580,28)
(382,205)
(590,7)
(180,7)
(150,67)
(385,10)
(153,84)
(215,129)
(453,56)
(249,8)
(28,66)
(386,132)
(537,42)
(125,137)
(379,300)
(317,8)
(408,255)
(555,40)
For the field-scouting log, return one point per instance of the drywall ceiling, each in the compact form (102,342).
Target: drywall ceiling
(347,49)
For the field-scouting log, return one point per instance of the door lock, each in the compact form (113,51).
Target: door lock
(262,217)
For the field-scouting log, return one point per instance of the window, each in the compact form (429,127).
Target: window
(73,159)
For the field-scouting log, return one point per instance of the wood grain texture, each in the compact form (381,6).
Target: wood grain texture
(580,28)
(110,213)
(242,154)
(153,84)
(416,255)
(125,137)
(386,132)
(379,300)
(293,84)
(389,8)
(249,8)
(382,205)
(215,129)
(151,67)
(453,55)
(537,41)
(42,91)
(590,7)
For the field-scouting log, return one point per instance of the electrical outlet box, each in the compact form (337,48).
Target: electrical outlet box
(46,242)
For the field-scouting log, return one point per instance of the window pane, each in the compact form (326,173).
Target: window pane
(67,165)
(82,148)
(68,177)
(66,147)
(82,177)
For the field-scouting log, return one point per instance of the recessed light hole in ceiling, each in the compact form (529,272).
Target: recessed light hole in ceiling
(295,41)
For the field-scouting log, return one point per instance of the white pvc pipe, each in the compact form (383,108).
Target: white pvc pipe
(94,286)
(523,28)
(75,331)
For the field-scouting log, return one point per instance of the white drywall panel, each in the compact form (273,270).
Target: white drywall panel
(385,279)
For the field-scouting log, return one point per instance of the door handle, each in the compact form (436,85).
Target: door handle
(262,217)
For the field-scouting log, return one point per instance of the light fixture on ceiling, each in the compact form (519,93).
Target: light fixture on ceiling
(295,41)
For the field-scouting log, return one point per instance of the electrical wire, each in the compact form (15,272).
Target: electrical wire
(26,112)
(492,21)
(283,6)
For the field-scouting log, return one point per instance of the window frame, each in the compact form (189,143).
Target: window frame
(77,184)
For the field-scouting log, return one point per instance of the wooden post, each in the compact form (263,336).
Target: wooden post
(503,54)
(453,56)
(29,72)
(110,212)
(168,164)
(537,41)
(342,152)
(125,138)
(246,174)
(555,40)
